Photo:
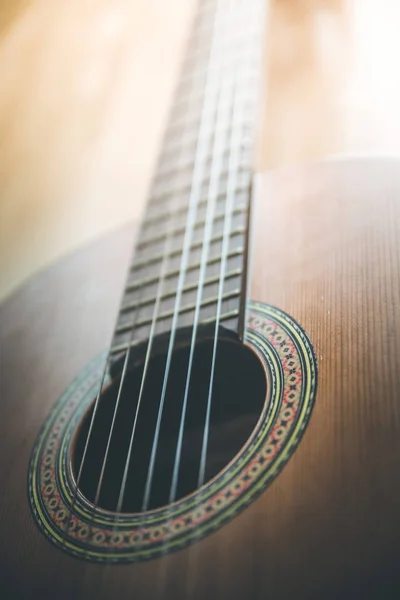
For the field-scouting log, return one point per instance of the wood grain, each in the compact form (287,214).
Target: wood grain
(327,251)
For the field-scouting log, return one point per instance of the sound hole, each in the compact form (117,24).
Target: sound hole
(238,398)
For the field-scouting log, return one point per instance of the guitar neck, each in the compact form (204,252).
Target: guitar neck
(190,260)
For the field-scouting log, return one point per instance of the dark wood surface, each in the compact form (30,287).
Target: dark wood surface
(327,250)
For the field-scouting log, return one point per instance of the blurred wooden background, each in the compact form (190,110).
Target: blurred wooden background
(85,87)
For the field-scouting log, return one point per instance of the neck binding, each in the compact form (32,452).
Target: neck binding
(198,210)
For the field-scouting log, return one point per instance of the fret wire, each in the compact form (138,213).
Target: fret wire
(158,257)
(187,288)
(183,309)
(176,126)
(163,190)
(170,167)
(165,174)
(224,317)
(160,216)
(169,171)
(185,99)
(195,97)
(163,197)
(158,238)
(175,142)
(177,119)
(174,272)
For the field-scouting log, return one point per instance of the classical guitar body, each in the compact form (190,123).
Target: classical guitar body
(230,427)
(326,524)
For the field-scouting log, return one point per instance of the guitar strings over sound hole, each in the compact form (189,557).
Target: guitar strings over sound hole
(238,399)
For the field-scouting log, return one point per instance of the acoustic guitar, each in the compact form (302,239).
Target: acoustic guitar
(236,432)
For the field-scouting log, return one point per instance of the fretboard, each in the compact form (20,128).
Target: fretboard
(190,262)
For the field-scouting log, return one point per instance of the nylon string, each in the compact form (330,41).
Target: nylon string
(234,162)
(216,170)
(152,333)
(152,330)
(212,95)
(101,386)
(206,125)
(229,85)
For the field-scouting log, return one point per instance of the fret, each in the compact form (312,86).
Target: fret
(174,272)
(195,98)
(170,169)
(187,288)
(158,245)
(181,124)
(169,166)
(143,243)
(197,75)
(145,313)
(192,116)
(226,316)
(144,308)
(145,262)
(189,142)
(160,216)
(194,93)
(242,186)
(182,309)
(173,189)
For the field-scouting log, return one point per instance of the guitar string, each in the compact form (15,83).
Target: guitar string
(233,169)
(169,237)
(209,222)
(208,227)
(158,297)
(166,257)
(213,190)
(119,393)
(105,373)
(232,175)
(216,168)
(151,337)
(124,479)
(232,84)
(227,83)
(161,281)
(90,429)
(155,314)
(205,133)
(234,144)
